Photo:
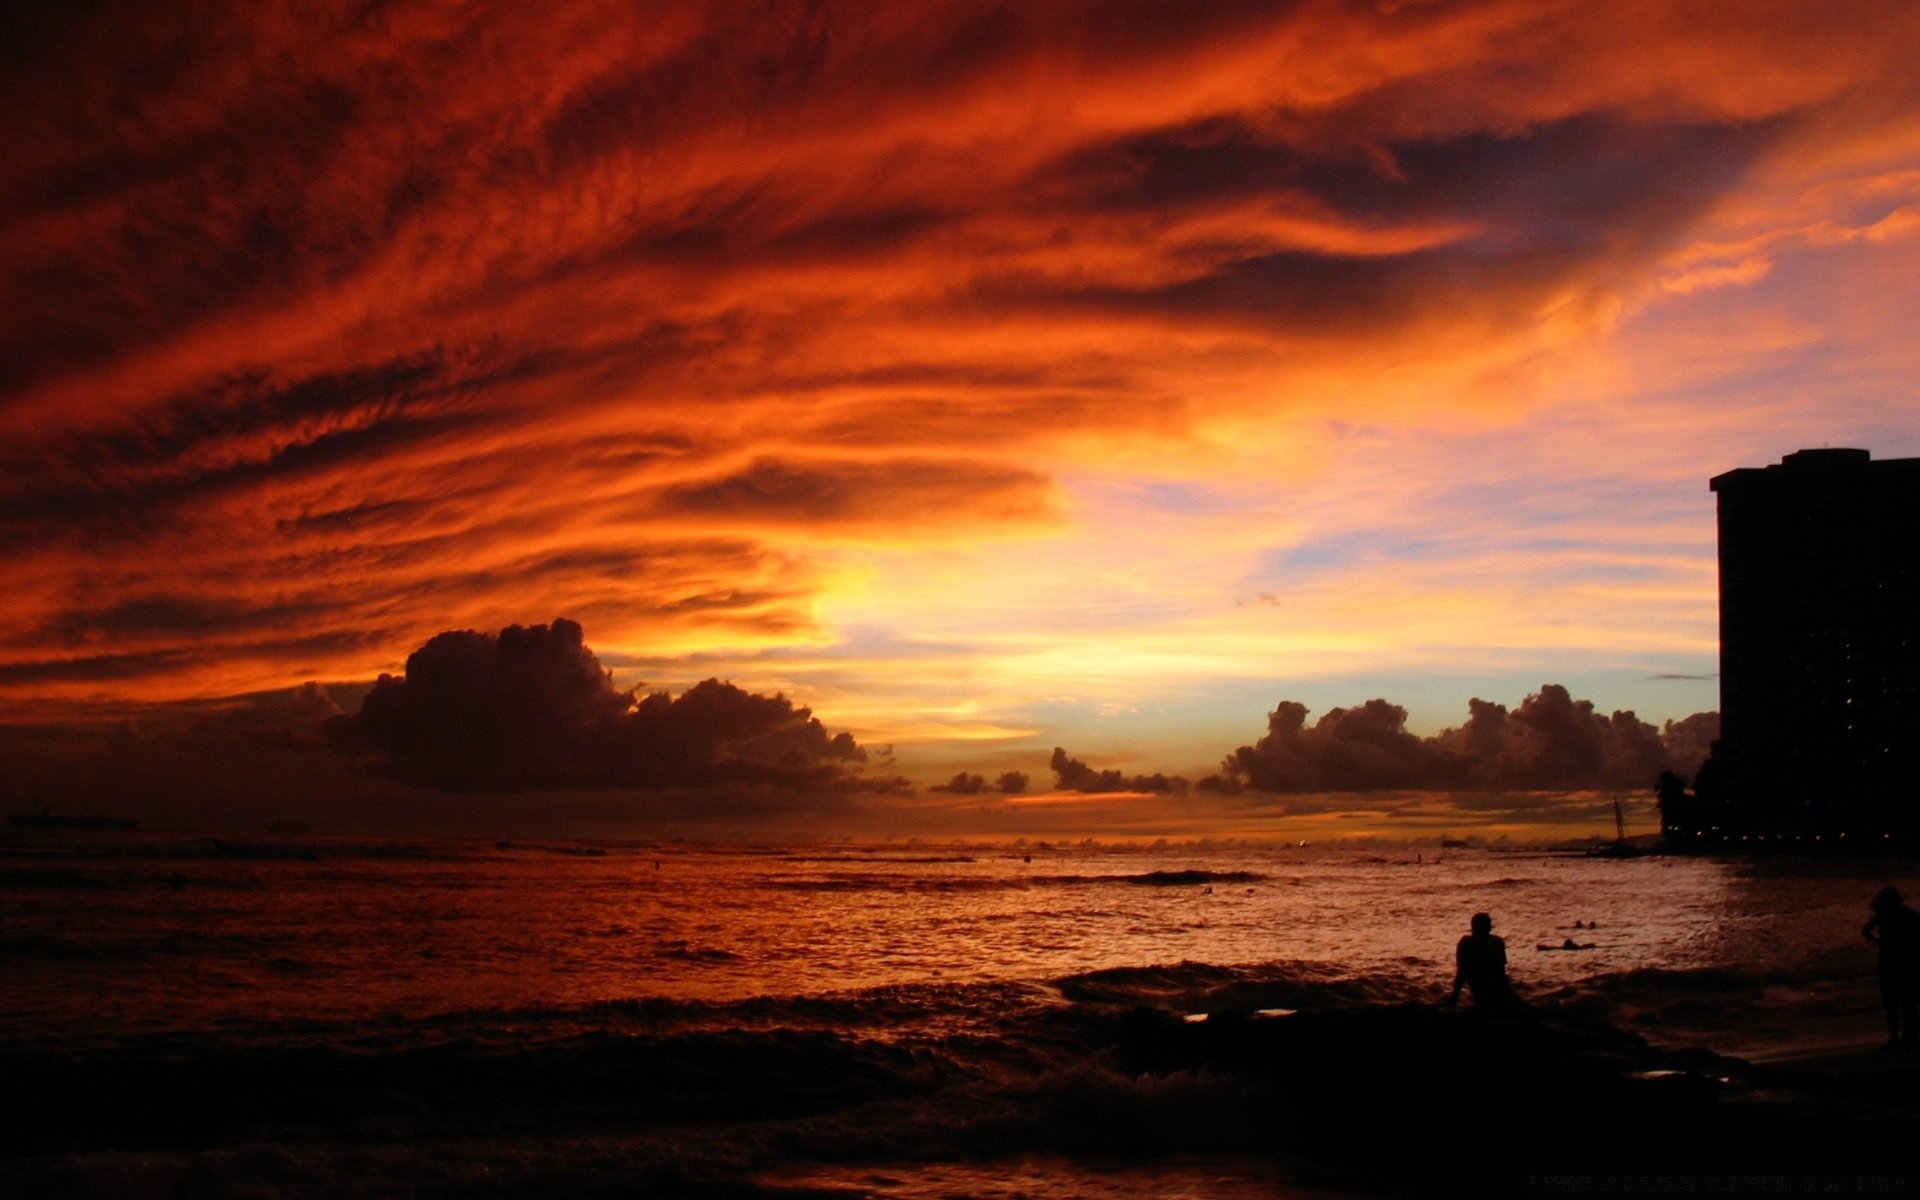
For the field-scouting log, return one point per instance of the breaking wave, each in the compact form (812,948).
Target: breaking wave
(1157,878)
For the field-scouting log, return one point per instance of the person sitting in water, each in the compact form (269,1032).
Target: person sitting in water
(1895,928)
(1480,963)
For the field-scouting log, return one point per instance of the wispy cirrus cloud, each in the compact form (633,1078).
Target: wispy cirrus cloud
(1038,333)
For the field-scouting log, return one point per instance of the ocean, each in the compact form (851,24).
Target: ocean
(282,1016)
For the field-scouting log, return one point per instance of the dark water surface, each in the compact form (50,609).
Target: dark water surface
(318,1016)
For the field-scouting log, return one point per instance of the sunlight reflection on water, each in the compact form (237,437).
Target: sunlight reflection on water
(117,943)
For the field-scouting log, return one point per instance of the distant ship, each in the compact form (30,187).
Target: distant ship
(47,819)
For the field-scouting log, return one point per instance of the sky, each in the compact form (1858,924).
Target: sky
(978,379)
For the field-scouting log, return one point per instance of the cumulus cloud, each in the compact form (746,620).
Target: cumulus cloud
(532,708)
(298,714)
(1551,742)
(1009,783)
(1689,742)
(1072,775)
(1348,749)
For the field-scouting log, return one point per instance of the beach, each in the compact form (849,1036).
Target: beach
(306,1016)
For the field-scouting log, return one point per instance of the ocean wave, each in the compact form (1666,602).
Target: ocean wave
(273,849)
(996,1009)
(685,952)
(1206,987)
(126,948)
(69,878)
(880,858)
(885,1013)
(1829,866)
(220,1094)
(1837,964)
(1700,1004)
(669,1111)
(895,883)
(1191,878)
(573,849)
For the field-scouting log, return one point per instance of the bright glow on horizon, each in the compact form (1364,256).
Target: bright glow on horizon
(986,383)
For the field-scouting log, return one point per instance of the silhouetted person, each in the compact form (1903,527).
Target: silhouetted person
(1895,928)
(1480,964)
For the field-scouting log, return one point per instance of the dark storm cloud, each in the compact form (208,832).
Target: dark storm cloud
(962,784)
(124,477)
(89,668)
(838,492)
(328,311)
(530,708)
(255,432)
(209,220)
(1578,199)
(1551,742)
(183,616)
(1572,177)
(1072,775)
(295,718)
(665,585)
(132,666)
(1011,783)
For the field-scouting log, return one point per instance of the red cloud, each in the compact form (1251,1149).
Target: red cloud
(323,332)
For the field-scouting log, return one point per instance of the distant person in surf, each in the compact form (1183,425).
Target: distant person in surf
(1480,964)
(1895,928)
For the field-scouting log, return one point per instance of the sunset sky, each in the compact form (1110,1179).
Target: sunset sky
(984,377)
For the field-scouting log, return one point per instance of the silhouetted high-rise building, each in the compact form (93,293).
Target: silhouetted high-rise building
(1820,644)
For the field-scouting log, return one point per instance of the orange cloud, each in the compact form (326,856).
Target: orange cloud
(731,332)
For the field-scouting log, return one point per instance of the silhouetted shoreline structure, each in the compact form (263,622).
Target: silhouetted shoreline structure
(1819,656)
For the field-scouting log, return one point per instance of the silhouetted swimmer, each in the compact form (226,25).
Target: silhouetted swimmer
(1895,928)
(1480,964)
